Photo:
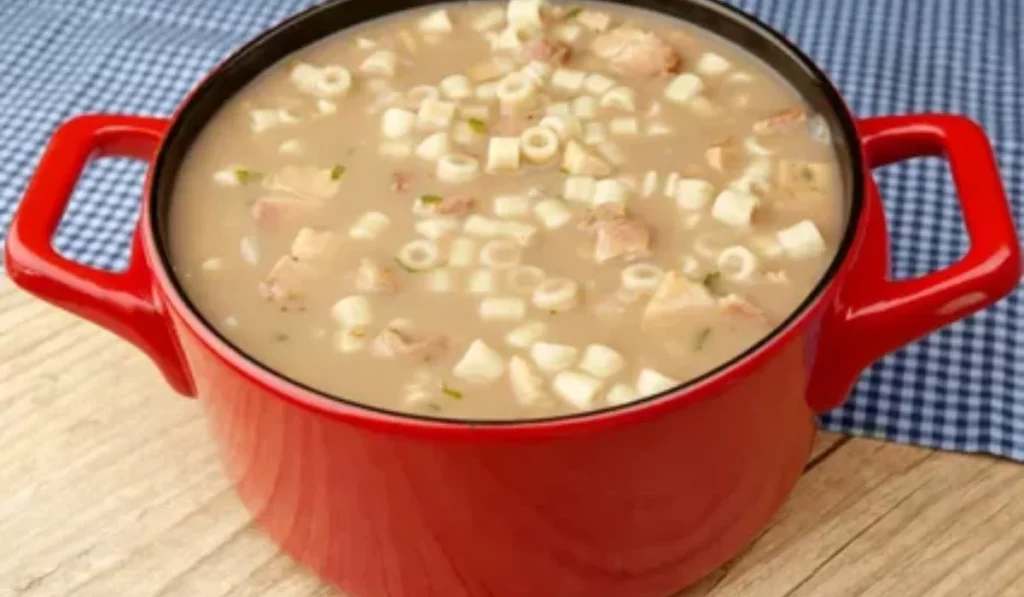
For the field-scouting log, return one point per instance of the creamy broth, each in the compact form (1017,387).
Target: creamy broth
(517,211)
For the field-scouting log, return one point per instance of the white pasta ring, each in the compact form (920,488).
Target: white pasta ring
(556,294)
(457,168)
(334,81)
(500,254)
(524,279)
(516,89)
(642,277)
(419,255)
(539,144)
(421,93)
(737,263)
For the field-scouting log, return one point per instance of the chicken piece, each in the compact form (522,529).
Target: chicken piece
(547,50)
(404,342)
(304,182)
(401,182)
(619,234)
(724,156)
(371,277)
(276,211)
(288,280)
(637,53)
(456,205)
(779,122)
(676,299)
(736,306)
(312,245)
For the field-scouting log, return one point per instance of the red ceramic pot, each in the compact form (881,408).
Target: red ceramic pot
(639,500)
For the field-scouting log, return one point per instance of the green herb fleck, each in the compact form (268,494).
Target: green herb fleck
(245,176)
(431,199)
(337,171)
(552,312)
(478,126)
(573,13)
(434,407)
(711,280)
(451,392)
(702,338)
(564,170)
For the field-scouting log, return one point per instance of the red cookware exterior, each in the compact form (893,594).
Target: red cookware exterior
(638,501)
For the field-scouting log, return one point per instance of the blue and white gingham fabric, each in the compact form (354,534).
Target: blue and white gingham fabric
(960,389)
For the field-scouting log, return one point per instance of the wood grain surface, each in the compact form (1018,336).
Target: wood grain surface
(109,487)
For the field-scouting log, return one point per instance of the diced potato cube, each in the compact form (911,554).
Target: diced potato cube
(503,154)
(437,228)
(483,281)
(511,206)
(369,226)
(436,22)
(734,208)
(693,193)
(527,385)
(435,114)
(598,84)
(353,312)
(568,80)
(621,394)
(577,160)
(580,189)
(439,281)
(524,336)
(621,98)
(578,389)
(381,63)
(595,133)
(802,240)
(480,364)
(596,21)
(456,87)
(502,308)
(481,226)
(625,127)
(553,357)
(552,213)
(712,65)
(601,361)
(651,382)
(397,123)
(584,107)
(684,88)
(569,33)
(610,190)
(433,147)
(462,252)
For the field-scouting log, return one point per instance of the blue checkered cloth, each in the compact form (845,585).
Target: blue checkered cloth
(960,389)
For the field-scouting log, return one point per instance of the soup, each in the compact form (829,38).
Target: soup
(519,211)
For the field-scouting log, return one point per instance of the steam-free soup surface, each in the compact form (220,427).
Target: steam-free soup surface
(506,211)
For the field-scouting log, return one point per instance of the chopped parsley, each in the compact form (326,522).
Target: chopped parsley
(431,199)
(573,13)
(245,176)
(337,171)
(711,280)
(478,126)
(451,392)
(702,338)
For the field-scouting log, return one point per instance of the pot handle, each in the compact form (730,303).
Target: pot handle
(122,302)
(875,315)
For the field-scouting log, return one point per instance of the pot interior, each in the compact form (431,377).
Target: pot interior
(325,20)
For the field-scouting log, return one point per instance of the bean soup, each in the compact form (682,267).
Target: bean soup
(507,211)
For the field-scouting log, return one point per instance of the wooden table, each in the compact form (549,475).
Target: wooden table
(109,487)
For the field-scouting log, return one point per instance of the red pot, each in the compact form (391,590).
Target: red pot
(640,500)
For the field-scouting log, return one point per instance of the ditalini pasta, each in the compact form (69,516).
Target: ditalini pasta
(503,211)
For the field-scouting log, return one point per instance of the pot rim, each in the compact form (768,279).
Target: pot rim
(691,392)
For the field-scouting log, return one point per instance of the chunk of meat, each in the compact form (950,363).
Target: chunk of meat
(619,233)
(780,122)
(313,245)
(288,280)
(304,182)
(676,299)
(456,205)
(401,182)
(371,277)
(420,346)
(545,49)
(736,306)
(637,53)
